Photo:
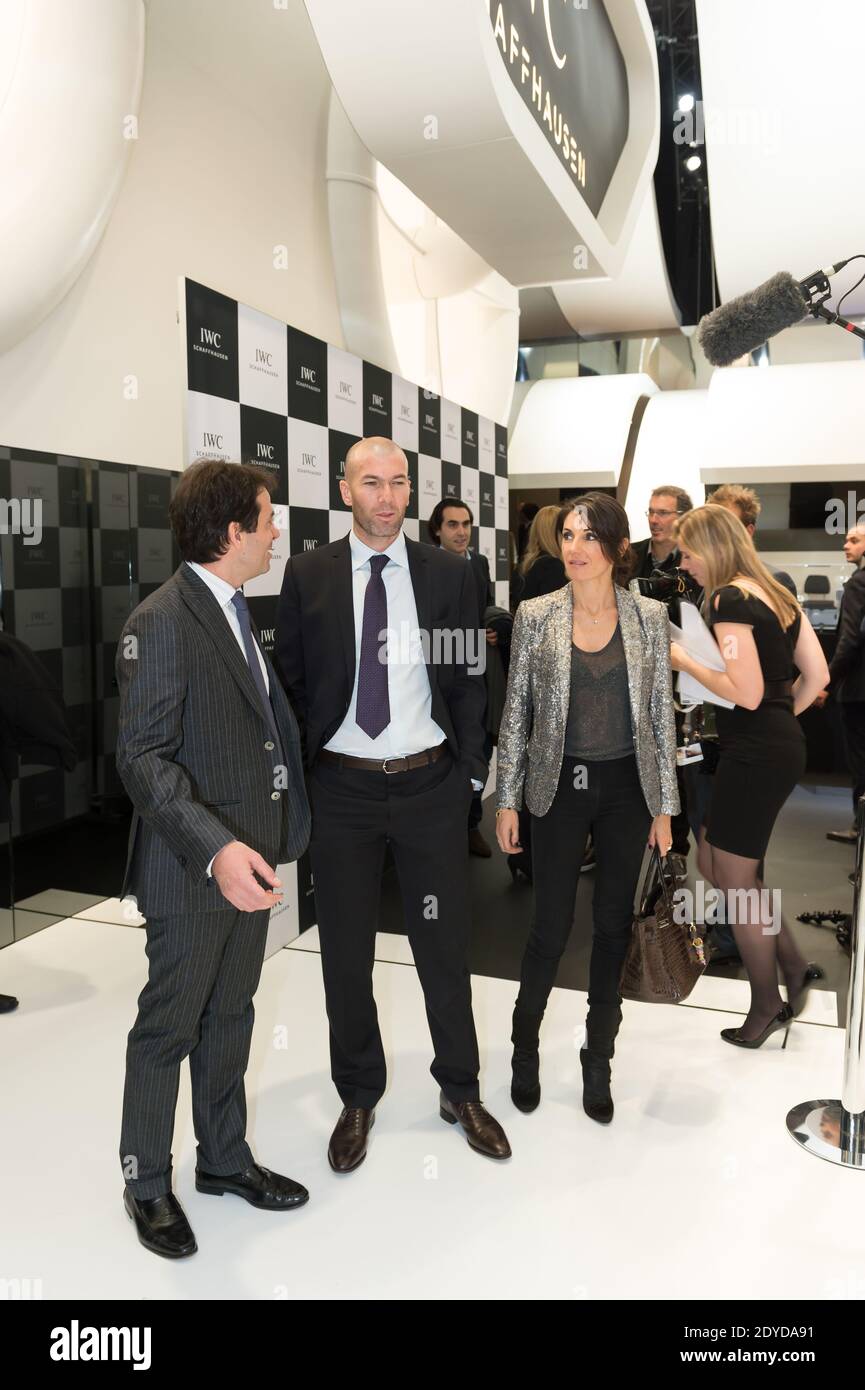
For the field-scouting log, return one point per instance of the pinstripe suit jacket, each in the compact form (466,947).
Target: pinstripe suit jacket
(534,724)
(195,752)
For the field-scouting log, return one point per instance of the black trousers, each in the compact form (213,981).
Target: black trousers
(611,805)
(197,1003)
(853,726)
(476,807)
(422,815)
(680,824)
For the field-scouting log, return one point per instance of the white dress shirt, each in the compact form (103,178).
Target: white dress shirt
(412,727)
(224,592)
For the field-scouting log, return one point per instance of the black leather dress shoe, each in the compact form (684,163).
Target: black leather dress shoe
(8,1002)
(348,1143)
(161,1225)
(256,1185)
(484,1134)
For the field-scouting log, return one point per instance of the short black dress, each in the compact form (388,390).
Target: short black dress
(762,750)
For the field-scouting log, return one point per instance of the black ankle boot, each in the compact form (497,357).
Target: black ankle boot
(602,1026)
(525,1085)
(597,1100)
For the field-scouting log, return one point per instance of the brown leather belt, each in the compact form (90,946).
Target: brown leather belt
(424,759)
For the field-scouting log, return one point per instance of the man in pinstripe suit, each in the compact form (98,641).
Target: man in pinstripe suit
(209,752)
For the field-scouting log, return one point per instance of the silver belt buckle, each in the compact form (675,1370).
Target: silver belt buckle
(385,761)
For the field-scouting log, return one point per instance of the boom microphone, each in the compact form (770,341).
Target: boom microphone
(743,324)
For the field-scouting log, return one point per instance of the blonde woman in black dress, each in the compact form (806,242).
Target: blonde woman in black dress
(764,639)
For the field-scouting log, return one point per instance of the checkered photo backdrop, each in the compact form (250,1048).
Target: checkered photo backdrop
(269,394)
(105,545)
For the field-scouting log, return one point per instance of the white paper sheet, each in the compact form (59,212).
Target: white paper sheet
(699,643)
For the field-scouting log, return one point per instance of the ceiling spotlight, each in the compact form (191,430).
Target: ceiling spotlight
(693,163)
(686,103)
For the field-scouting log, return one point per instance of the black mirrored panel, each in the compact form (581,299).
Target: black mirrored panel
(87,540)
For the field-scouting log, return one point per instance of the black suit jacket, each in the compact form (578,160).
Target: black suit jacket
(847,667)
(315,644)
(483,584)
(644,562)
(641,565)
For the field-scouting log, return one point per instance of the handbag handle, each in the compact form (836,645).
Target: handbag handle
(663,871)
(695,938)
(658,867)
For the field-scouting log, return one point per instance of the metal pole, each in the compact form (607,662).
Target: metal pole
(853,1088)
(835,1129)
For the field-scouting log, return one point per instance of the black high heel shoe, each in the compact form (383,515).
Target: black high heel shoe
(796,1000)
(782,1019)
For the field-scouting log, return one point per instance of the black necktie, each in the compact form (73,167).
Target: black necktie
(373,702)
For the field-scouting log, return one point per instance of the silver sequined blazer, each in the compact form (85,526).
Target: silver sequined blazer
(532,735)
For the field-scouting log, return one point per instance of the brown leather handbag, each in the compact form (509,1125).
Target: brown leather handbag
(666,956)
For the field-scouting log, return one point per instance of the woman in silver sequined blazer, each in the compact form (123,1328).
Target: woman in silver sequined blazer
(588,738)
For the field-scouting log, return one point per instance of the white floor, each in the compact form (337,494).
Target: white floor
(695,1191)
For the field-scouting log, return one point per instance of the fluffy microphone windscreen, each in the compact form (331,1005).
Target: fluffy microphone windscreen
(743,324)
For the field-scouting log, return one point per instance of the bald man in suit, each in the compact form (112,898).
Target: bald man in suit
(395,744)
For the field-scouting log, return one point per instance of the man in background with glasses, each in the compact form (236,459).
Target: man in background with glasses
(657,559)
(658,552)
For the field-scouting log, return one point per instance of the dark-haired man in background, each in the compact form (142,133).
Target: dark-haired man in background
(450,527)
(209,752)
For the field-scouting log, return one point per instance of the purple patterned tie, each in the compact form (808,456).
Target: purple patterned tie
(373,705)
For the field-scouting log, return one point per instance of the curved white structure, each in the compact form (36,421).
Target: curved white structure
(794,423)
(443,115)
(779,424)
(784,139)
(575,430)
(413,297)
(353,209)
(70,83)
(636,300)
(670,448)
